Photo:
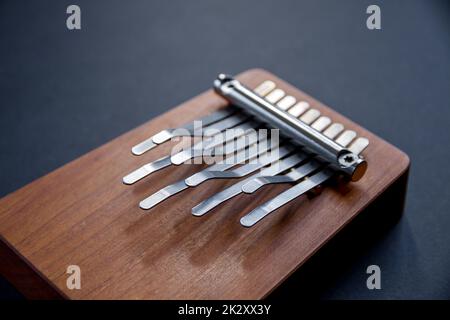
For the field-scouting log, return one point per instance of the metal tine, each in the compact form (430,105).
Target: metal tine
(359,145)
(263,89)
(294,192)
(310,116)
(146,170)
(234,190)
(207,147)
(275,95)
(166,161)
(333,130)
(346,137)
(242,171)
(286,102)
(298,109)
(188,129)
(321,123)
(223,165)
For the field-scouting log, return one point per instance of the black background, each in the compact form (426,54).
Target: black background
(64,93)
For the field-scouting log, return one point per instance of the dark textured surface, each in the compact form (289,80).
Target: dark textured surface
(63,93)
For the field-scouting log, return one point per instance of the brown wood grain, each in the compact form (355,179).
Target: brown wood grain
(81,214)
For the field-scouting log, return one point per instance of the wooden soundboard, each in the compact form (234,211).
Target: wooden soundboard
(82,214)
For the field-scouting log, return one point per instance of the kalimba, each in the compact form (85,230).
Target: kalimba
(288,174)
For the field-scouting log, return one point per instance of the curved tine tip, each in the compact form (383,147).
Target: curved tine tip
(144,205)
(193,182)
(197,214)
(251,186)
(135,151)
(196,179)
(126,180)
(198,211)
(247,222)
(143,147)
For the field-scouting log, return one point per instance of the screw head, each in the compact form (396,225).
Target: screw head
(347,159)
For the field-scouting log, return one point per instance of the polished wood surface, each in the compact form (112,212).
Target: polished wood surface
(81,214)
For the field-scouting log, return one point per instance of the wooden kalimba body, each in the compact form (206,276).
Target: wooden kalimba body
(235,237)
